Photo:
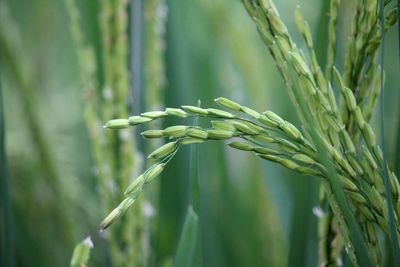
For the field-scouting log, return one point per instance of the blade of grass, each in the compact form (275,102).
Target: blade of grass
(388,190)
(6,222)
(398,25)
(397,157)
(194,172)
(187,243)
(303,225)
(195,192)
(322,41)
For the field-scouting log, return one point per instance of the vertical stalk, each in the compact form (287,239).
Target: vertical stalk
(114,153)
(388,190)
(6,220)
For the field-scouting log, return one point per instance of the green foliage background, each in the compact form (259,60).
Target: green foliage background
(252,212)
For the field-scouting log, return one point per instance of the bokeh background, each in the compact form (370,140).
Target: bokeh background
(252,212)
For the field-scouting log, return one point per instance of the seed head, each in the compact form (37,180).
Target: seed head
(376,198)
(283,44)
(220,134)
(135,186)
(153,134)
(270,157)
(350,99)
(367,213)
(264,150)
(117,124)
(369,135)
(251,112)
(154,172)
(303,27)
(197,133)
(299,64)
(164,150)
(359,118)
(227,103)
(304,158)
(289,164)
(347,142)
(338,78)
(307,171)
(220,113)
(195,110)
(126,203)
(240,145)
(348,184)
(114,215)
(138,120)
(263,138)
(273,118)
(287,145)
(354,164)
(291,130)
(254,127)
(176,131)
(356,197)
(277,23)
(155,114)
(190,140)
(244,128)
(223,125)
(176,112)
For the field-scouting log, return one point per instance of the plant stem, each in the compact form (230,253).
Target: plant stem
(6,215)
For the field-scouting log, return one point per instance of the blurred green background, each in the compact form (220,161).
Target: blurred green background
(252,212)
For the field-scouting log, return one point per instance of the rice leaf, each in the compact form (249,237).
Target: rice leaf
(6,231)
(194,173)
(185,252)
(388,190)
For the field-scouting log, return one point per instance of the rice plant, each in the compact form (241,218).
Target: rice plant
(268,136)
(335,142)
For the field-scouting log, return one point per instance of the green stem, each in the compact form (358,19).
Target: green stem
(6,219)
(393,233)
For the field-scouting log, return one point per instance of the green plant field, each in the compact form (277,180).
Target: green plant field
(199,133)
